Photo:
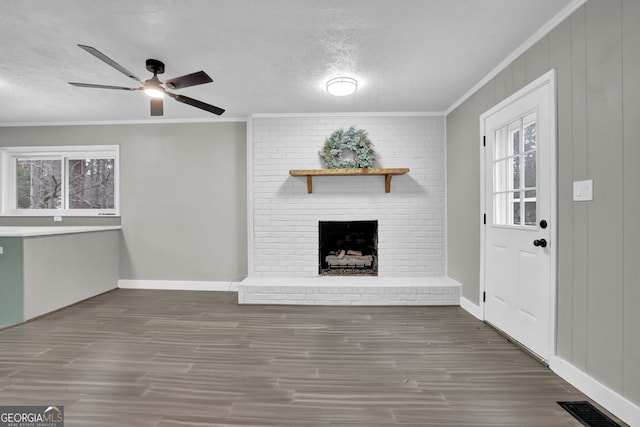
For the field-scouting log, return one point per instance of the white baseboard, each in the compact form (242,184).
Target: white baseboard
(471,308)
(175,285)
(612,401)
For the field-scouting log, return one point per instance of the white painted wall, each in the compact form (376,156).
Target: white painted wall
(284,217)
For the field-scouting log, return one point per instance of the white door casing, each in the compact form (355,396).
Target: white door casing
(518,192)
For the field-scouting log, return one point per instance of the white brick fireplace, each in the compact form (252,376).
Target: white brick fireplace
(284,218)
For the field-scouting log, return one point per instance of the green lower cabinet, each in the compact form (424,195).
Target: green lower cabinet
(11,281)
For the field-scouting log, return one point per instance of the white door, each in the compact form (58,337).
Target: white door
(519,202)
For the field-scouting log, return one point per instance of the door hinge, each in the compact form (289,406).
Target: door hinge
(484,219)
(484,141)
(484,297)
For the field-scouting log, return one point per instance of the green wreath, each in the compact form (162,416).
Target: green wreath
(355,142)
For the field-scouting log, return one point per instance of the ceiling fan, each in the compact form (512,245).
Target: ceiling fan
(153,87)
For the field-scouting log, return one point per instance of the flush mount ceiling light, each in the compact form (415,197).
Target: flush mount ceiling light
(342,86)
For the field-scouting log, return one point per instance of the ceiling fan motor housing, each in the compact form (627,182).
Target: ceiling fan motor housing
(155,66)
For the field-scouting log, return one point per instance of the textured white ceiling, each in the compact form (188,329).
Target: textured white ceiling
(265,56)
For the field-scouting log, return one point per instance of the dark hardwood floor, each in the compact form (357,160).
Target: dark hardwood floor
(179,358)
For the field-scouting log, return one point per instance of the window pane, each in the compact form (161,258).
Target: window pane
(500,208)
(501,175)
(506,208)
(530,213)
(514,131)
(91,184)
(530,132)
(530,169)
(38,184)
(500,144)
(530,207)
(516,173)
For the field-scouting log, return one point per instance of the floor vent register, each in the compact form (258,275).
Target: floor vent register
(588,415)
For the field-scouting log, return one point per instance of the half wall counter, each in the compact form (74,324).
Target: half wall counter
(43,269)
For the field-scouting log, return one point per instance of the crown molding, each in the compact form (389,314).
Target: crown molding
(351,114)
(124,122)
(543,31)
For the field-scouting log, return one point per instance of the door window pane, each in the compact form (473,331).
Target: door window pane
(530,213)
(501,175)
(507,208)
(530,136)
(500,208)
(500,143)
(514,131)
(516,208)
(515,173)
(530,169)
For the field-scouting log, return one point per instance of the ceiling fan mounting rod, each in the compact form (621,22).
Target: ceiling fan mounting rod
(155,66)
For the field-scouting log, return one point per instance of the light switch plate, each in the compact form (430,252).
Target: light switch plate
(583,190)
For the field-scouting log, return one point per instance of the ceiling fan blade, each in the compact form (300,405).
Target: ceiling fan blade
(156,107)
(198,104)
(103,86)
(104,58)
(187,80)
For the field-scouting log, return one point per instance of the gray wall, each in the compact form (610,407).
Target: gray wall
(62,269)
(596,52)
(182,195)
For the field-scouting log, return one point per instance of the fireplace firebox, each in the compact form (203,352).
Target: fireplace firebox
(348,248)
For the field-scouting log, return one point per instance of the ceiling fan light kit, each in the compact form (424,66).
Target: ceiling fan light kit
(154,92)
(153,87)
(342,86)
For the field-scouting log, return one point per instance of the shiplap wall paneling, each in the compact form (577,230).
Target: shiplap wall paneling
(580,210)
(631,147)
(604,164)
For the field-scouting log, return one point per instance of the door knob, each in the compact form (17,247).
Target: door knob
(542,243)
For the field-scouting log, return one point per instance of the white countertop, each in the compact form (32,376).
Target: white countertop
(26,231)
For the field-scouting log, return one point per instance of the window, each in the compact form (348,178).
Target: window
(515,186)
(74,180)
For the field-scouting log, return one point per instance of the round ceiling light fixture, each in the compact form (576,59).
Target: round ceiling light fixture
(342,86)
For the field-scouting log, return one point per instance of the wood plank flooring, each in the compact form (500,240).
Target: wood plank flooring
(179,358)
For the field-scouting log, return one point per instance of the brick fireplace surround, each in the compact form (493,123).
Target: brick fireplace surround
(284,218)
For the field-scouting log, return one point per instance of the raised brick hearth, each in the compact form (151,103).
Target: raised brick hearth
(349,291)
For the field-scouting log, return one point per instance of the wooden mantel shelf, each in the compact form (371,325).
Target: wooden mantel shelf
(310,173)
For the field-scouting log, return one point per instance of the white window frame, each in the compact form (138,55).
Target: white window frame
(8,156)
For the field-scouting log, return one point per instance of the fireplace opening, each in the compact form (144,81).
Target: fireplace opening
(348,248)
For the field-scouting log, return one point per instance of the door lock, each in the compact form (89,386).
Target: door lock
(542,243)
